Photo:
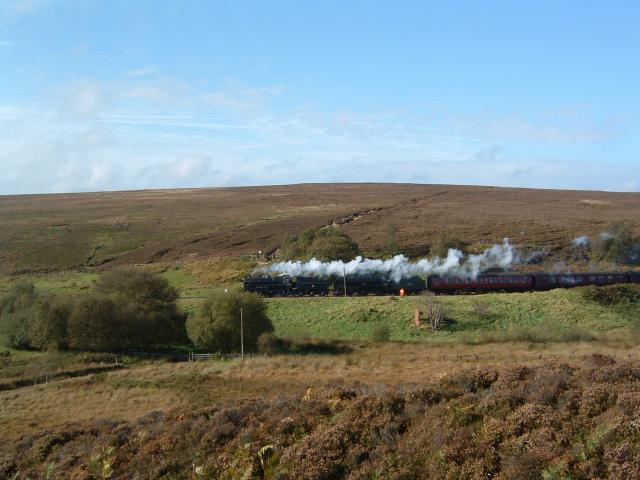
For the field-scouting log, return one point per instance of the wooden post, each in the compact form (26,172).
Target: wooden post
(241,336)
(344,279)
(418,318)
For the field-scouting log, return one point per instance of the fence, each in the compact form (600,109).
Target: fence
(187,356)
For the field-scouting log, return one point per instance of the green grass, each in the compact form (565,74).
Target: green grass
(59,282)
(557,315)
(536,316)
(77,282)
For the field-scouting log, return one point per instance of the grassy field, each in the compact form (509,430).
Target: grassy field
(537,316)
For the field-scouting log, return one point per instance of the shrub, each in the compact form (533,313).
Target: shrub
(216,324)
(138,286)
(617,245)
(48,328)
(612,294)
(126,309)
(436,315)
(31,320)
(332,244)
(380,333)
(323,244)
(146,307)
(16,310)
(94,324)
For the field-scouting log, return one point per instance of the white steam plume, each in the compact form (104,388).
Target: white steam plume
(455,263)
(582,241)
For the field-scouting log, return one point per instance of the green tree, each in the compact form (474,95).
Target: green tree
(16,310)
(332,244)
(324,244)
(94,324)
(48,326)
(215,326)
(146,307)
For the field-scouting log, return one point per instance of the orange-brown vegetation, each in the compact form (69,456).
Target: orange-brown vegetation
(552,418)
(84,418)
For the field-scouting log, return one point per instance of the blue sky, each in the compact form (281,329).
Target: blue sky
(98,95)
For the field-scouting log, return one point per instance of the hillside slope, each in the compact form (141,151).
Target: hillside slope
(51,232)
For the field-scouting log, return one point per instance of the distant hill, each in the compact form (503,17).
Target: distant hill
(55,232)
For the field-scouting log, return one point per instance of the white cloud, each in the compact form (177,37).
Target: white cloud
(86,98)
(161,91)
(170,134)
(240,99)
(23,7)
(545,129)
(186,171)
(145,71)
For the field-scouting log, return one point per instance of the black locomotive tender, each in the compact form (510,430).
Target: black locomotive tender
(286,286)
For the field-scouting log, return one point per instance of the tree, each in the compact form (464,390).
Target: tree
(146,305)
(332,244)
(16,310)
(324,244)
(216,324)
(94,324)
(48,327)
(29,319)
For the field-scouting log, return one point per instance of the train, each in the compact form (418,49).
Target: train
(353,285)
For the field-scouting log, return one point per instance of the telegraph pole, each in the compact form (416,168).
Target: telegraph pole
(344,279)
(241,337)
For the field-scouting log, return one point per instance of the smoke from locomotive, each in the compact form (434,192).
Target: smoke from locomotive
(455,263)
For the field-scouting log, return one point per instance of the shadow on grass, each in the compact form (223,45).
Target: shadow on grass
(270,344)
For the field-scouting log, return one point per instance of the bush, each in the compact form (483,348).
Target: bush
(617,245)
(138,286)
(612,294)
(324,244)
(48,329)
(126,309)
(380,333)
(146,307)
(216,324)
(94,324)
(16,310)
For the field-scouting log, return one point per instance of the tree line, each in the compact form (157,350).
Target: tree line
(127,309)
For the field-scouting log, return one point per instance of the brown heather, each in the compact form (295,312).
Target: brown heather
(567,417)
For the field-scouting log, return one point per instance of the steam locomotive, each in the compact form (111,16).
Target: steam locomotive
(285,286)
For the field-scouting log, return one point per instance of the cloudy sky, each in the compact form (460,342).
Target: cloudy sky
(110,95)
